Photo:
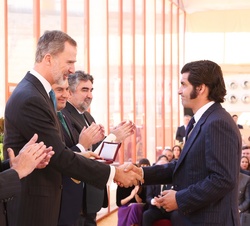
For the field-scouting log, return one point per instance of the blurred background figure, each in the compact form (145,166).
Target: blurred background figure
(168,152)
(154,211)
(132,202)
(144,162)
(162,157)
(180,133)
(244,195)
(246,152)
(245,165)
(235,118)
(176,151)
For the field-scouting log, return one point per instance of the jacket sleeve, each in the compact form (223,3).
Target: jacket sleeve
(10,185)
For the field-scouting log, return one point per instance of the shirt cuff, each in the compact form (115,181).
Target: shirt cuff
(82,149)
(111,175)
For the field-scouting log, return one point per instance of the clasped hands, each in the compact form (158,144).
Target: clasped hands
(128,175)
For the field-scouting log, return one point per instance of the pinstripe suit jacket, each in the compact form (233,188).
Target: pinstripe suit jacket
(29,110)
(206,174)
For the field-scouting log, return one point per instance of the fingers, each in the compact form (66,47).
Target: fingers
(49,150)
(37,149)
(93,129)
(132,167)
(127,178)
(44,161)
(11,155)
(32,140)
(89,154)
(93,154)
(40,157)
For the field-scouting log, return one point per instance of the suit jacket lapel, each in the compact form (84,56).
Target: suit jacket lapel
(195,132)
(73,135)
(32,79)
(75,115)
(88,117)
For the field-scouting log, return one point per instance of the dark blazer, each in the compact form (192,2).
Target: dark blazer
(244,193)
(93,199)
(10,186)
(72,192)
(206,174)
(152,191)
(180,133)
(29,110)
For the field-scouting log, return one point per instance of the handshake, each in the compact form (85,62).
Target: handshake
(128,175)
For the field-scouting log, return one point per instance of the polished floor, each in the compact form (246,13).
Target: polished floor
(110,220)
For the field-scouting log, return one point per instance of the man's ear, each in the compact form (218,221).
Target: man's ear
(201,88)
(47,59)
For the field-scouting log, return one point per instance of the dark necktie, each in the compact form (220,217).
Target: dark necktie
(62,120)
(53,98)
(190,126)
(85,119)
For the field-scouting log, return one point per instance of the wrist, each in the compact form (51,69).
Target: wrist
(20,173)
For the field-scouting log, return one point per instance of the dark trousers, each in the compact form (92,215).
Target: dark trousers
(87,219)
(153,214)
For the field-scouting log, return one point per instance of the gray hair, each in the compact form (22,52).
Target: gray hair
(77,77)
(52,42)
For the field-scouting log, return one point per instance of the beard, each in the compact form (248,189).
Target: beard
(193,94)
(85,105)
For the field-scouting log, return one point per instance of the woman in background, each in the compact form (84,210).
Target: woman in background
(244,163)
(176,151)
(131,202)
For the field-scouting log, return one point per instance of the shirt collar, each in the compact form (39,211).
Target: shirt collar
(76,108)
(44,82)
(201,111)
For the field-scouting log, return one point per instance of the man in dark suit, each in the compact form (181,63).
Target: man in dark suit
(33,155)
(181,130)
(80,98)
(72,191)
(205,178)
(29,110)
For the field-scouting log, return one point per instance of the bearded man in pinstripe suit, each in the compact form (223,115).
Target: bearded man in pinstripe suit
(205,178)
